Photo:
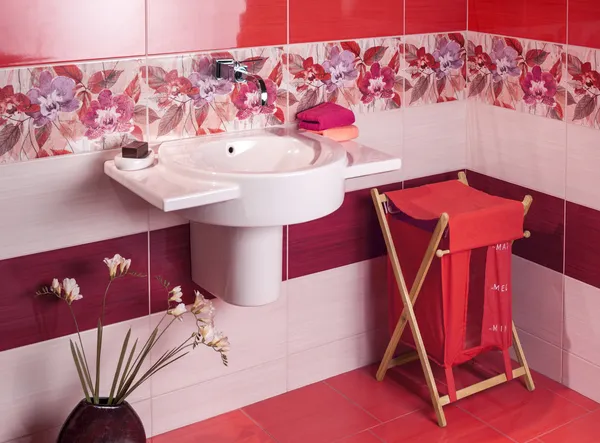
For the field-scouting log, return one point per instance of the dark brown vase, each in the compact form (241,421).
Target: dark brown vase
(102,423)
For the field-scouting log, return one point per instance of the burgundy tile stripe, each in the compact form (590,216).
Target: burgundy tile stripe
(545,220)
(582,250)
(26,319)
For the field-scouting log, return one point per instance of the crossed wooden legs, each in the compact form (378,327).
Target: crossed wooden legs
(408,315)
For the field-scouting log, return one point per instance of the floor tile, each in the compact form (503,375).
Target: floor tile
(233,427)
(363,437)
(385,400)
(315,413)
(583,430)
(421,428)
(520,414)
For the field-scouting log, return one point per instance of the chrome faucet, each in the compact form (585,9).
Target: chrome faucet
(228,69)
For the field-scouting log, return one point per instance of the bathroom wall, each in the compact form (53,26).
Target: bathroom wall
(79,78)
(533,127)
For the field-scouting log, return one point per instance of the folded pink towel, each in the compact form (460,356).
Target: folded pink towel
(325,116)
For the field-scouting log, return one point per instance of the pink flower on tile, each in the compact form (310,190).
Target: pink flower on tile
(505,60)
(448,55)
(424,62)
(208,87)
(340,68)
(54,95)
(109,114)
(587,79)
(248,100)
(481,60)
(377,83)
(539,87)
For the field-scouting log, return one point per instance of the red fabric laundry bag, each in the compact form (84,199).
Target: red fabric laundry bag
(464,307)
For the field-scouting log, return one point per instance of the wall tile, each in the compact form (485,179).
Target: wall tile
(582,83)
(435,139)
(581,376)
(427,16)
(199,402)
(582,244)
(42,31)
(584,18)
(27,319)
(65,201)
(361,75)
(352,300)
(434,68)
(534,19)
(335,358)
(182,102)
(583,161)
(314,20)
(518,148)
(537,300)
(541,355)
(57,110)
(545,221)
(506,72)
(581,329)
(187,26)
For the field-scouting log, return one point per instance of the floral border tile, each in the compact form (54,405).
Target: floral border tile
(518,74)
(64,109)
(434,68)
(361,75)
(582,83)
(184,98)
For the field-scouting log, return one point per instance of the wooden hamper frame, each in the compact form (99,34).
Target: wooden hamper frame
(408,314)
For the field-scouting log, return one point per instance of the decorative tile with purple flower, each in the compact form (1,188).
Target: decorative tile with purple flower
(185,99)
(518,74)
(434,67)
(57,110)
(582,82)
(361,75)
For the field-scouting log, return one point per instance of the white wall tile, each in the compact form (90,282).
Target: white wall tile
(581,376)
(337,303)
(435,139)
(583,164)
(541,355)
(199,402)
(537,300)
(63,201)
(517,147)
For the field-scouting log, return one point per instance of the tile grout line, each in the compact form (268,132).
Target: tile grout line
(257,424)
(484,422)
(561,426)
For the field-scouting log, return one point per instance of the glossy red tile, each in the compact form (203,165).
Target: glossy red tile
(187,25)
(520,414)
(233,427)
(428,16)
(533,19)
(422,428)
(315,413)
(582,245)
(26,319)
(363,437)
(385,400)
(583,430)
(545,221)
(584,23)
(42,31)
(331,20)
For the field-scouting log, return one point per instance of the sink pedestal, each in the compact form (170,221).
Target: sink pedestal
(242,266)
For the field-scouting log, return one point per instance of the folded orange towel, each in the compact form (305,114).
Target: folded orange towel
(341,134)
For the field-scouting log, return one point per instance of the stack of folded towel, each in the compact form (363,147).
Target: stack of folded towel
(329,120)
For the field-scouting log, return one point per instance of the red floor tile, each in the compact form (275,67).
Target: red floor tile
(420,428)
(363,437)
(315,414)
(233,427)
(520,414)
(385,400)
(583,430)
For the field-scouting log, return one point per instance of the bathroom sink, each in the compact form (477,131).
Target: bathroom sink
(239,190)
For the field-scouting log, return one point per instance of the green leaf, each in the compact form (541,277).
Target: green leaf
(78,366)
(98,356)
(119,364)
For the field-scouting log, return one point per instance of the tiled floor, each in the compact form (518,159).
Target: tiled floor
(355,408)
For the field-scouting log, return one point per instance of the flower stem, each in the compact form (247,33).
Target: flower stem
(86,367)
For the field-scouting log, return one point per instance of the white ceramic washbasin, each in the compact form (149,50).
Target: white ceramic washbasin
(239,191)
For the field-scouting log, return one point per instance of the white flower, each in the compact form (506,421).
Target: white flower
(219,342)
(178,311)
(117,263)
(71,290)
(203,309)
(176,294)
(56,288)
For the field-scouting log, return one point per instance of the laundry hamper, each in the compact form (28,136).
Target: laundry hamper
(453,243)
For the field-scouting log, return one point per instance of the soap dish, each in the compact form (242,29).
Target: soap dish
(134,164)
